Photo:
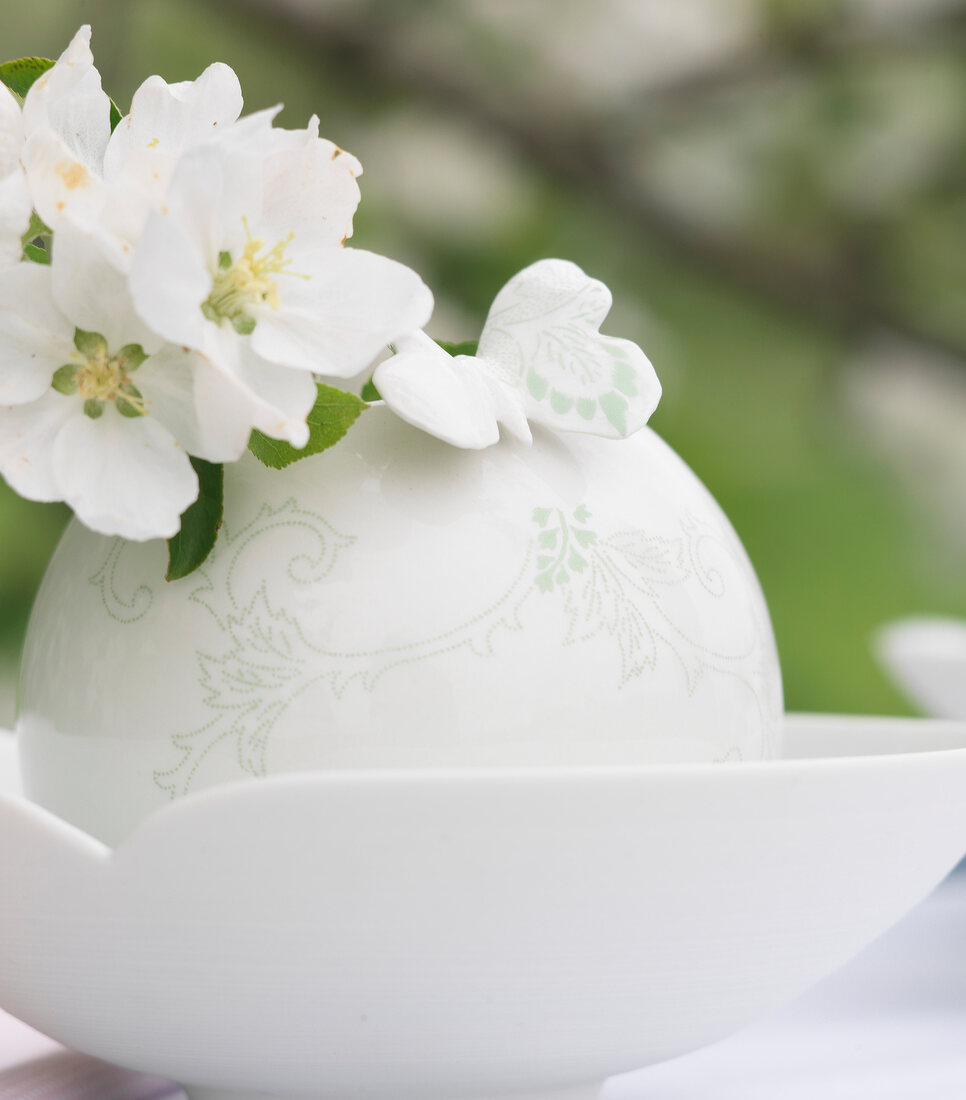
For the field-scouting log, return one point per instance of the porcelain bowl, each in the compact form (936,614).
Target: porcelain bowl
(388,935)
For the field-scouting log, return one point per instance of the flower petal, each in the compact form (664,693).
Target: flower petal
(169,281)
(93,294)
(437,393)
(310,192)
(167,119)
(27,436)
(336,321)
(35,337)
(11,132)
(68,100)
(61,184)
(199,406)
(124,476)
(15,208)
(277,399)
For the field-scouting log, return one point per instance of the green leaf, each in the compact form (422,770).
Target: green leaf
(19,75)
(333,414)
(541,515)
(36,255)
(467,347)
(36,240)
(585,538)
(199,522)
(370,393)
(115,116)
(548,539)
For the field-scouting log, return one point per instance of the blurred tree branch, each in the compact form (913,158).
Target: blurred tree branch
(584,151)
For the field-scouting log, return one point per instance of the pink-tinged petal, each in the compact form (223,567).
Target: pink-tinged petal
(200,407)
(61,185)
(169,281)
(92,293)
(124,476)
(27,436)
(15,208)
(166,120)
(68,100)
(336,320)
(445,396)
(35,337)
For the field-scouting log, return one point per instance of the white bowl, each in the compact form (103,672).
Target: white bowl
(399,602)
(926,657)
(388,935)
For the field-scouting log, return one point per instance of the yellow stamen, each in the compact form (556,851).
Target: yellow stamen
(249,280)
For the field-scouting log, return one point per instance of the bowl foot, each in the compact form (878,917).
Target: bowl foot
(582,1092)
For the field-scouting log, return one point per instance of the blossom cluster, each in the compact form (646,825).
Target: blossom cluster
(176,283)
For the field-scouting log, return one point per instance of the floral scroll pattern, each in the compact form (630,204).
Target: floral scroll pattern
(615,586)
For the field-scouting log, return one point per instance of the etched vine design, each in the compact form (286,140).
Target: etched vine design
(121,610)
(613,586)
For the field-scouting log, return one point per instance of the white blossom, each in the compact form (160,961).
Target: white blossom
(110,182)
(245,263)
(97,410)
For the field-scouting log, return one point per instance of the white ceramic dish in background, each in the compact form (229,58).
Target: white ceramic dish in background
(397,602)
(394,935)
(927,659)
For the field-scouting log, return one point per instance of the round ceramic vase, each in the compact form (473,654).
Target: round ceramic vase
(396,602)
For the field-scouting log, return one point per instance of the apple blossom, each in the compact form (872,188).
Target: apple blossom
(100,412)
(245,263)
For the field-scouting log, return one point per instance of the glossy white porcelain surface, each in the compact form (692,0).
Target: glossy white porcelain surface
(396,602)
(926,656)
(394,935)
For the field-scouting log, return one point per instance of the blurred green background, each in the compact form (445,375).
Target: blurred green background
(775,192)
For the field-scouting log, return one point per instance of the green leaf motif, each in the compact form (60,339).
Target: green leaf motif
(541,515)
(332,415)
(199,522)
(370,393)
(576,562)
(548,539)
(585,538)
(20,75)
(465,347)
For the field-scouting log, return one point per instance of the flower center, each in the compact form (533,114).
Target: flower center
(98,377)
(250,280)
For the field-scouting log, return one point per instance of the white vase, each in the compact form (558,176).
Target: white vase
(396,602)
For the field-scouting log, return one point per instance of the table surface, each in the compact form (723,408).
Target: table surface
(889,1026)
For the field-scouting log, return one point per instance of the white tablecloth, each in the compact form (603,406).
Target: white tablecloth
(890,1026)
